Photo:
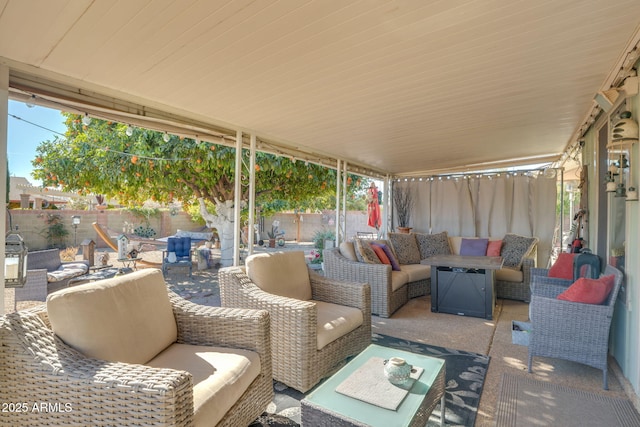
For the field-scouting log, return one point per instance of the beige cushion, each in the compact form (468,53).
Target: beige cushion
(335,321)
(67,271)
(510,275)
(220,376)
(281,273)
(348,251)
(123,319)
(367,254)
(455,242)
(416,272)
(398,279)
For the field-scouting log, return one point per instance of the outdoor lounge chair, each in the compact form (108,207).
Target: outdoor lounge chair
(180,247)
(316,323)
(127,352)
(571,330)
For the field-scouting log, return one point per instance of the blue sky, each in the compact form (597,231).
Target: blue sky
(23,137)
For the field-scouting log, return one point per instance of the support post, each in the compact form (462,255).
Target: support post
(4,112)
(338,192)
(237,200)
(252,194)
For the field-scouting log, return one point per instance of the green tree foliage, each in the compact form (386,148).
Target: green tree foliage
(101,159)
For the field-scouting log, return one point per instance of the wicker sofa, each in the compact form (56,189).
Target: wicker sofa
(391,289)
(181,365)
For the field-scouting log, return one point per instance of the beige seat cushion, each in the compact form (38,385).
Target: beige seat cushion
(398,279)
(348,250)
(123,319)
(281,273)
(220,376)
(455,242)
(416,272)
(510,275)
(335,321)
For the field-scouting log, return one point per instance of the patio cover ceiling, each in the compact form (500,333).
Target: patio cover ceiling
(405,87)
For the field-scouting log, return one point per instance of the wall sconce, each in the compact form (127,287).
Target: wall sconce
(624,134)
(75,222)
(15,261)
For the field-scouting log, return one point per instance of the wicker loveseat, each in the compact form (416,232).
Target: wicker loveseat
(126,352)
(316,323)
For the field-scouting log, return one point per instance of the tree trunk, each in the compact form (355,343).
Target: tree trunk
(223,222)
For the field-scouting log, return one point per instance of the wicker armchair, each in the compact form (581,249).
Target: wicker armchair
(70,389)
(297,361)
(569,330)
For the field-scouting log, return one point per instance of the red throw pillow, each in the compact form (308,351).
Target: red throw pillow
(381,255)
(387,251)
(563,267)
(589,291)
(494,247)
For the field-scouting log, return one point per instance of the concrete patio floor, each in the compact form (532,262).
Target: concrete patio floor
(415,321)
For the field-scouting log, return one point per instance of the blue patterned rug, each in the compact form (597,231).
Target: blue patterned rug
(465,377)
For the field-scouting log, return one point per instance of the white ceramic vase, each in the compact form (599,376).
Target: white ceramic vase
(397,370)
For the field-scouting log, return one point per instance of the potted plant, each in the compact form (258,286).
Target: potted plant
(273,233)
(100,200)
(403,202)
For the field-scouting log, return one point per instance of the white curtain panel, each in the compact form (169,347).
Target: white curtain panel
(487,206)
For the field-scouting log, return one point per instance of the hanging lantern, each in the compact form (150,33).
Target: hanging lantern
(15,261)
(625,129)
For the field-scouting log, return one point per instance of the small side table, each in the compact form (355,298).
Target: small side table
(129,262)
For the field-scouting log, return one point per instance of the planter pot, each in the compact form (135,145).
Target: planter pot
(272,243)
(405,230)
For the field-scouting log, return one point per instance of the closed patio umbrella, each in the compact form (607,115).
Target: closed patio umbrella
(373,207)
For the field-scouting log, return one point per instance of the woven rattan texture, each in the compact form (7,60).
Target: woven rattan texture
(384,301)
(520,291)
(569,330)
(296,360)
(37,368)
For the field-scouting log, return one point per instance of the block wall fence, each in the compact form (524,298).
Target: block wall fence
(31,224)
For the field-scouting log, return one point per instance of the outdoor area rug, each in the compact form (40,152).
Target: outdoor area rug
(527,402)
(464,378)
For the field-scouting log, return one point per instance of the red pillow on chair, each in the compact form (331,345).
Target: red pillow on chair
(563,267)
(589,291)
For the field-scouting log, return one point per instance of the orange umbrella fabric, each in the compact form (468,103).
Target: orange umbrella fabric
(373,207)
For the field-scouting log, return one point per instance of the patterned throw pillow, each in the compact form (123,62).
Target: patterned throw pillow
(366,253)
(515,248)
(406,247)
(433,244)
